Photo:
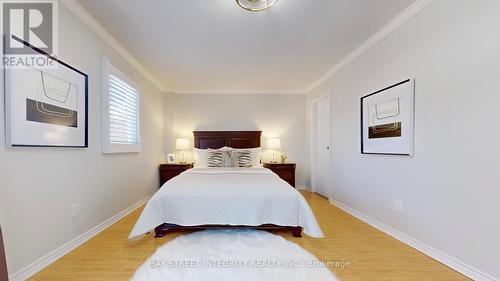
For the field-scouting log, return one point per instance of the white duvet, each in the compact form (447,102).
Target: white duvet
(227,196)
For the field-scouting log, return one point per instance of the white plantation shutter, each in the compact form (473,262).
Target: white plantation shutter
(121,115)
(123,112)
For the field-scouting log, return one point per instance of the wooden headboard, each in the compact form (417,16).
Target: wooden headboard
(218,139)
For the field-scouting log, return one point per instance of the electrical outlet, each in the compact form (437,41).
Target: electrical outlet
(75,210)
(398,206)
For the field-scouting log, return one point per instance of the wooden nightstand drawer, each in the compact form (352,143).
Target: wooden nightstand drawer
(285,171)
(168,171)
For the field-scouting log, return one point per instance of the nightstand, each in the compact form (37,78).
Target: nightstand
(168,171)
(285,171)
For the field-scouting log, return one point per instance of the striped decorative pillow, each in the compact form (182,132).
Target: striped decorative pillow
(229,159)
(215,158)
(244,158)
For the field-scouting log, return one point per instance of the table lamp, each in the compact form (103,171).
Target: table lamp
(182,145)
(274,144)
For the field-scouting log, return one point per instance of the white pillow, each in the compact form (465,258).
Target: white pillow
(255,154)
(200,157)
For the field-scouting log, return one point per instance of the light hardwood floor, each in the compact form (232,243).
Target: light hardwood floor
(372,254)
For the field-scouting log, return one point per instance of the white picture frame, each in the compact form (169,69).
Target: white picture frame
(46,107)
(171,158)
(387,120)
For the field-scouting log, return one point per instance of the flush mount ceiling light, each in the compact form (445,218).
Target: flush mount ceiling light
(256,5)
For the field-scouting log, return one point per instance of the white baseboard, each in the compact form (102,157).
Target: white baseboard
(48,259)
(443,258)
(302,187)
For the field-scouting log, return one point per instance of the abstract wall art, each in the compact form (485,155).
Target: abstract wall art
(387,120)
(46,107)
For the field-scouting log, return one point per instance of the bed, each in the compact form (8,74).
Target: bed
(221,198)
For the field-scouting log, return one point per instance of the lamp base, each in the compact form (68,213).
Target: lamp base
(274,161)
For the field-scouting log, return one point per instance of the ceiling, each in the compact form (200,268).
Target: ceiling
(211,46)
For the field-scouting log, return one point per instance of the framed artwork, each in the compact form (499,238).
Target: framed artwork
(170,158)
(387,120)
(46,107)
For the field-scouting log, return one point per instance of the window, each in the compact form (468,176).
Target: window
(121,114)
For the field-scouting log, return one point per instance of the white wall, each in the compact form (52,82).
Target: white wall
(39,185)
(168,122)
(277,115)
(450,187)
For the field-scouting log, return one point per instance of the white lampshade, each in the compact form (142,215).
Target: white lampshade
(182,144)
(274,143)
(255,5)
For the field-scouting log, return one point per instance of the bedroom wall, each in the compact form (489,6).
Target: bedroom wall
(277,115)
(39,185)
(169,107)
(449,188)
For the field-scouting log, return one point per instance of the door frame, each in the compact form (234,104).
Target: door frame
(314,110)
(3,262)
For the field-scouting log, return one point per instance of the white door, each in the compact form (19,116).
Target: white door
(322,129)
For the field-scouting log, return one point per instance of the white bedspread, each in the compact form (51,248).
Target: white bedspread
(227,196)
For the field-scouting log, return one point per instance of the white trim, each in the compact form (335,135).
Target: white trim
(107,68)
(48,259)
(302,187)
(394,24)
(313,147)
(382,33)
(87,19)
(436,254)
(240,91)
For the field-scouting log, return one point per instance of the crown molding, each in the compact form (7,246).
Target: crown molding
(239,91)
(92,23)
(382,33)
